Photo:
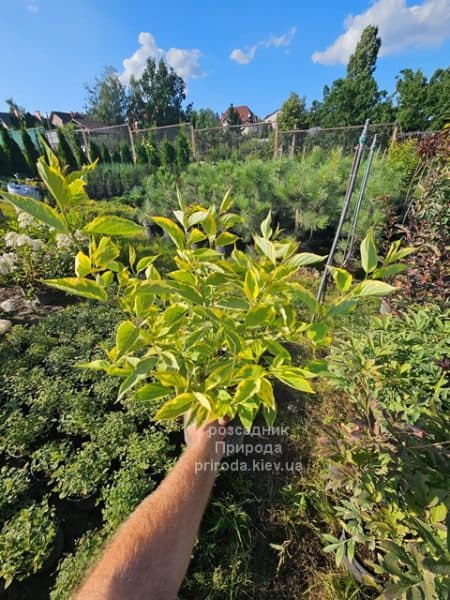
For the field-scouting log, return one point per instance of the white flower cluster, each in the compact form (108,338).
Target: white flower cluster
(65,242)
(16,240)
(24,220)
(8,262)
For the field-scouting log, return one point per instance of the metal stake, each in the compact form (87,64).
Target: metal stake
(348,195)
(362,191)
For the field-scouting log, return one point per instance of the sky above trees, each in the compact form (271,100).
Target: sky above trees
(252,53)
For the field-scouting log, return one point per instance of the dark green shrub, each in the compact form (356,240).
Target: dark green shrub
(14,483)
(167,154)
(109,180)
(104,153)
(64,151)
(30,152)
(141,154)
(27,541)
(125,152)
(152,153)
(15,158)
(94,151)
(182,150)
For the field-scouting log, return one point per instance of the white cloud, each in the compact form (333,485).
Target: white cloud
(243,57)
(184,62)
(33,7)
(400,27)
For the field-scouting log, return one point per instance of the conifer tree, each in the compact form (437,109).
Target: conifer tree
(64,151)
(30,152)
(182,150)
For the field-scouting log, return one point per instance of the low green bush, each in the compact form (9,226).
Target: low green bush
(27,541)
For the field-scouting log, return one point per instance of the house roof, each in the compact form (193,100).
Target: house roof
(275,112)
(66,117)
(245,114)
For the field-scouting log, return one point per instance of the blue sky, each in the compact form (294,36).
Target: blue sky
(244,52)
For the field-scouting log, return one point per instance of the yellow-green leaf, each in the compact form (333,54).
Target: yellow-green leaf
(172,230)
(82,264)
(112,225)
(369,257)
(293,377)
(374,288)
(342,278)
(39,210)
(251,286)
(226,239)
(176,407)
(126,337)
(79,286)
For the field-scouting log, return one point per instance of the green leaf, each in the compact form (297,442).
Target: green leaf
(141,370)
(82,264)
(374,288)
(247,413)
(126,337)
(343,307)
(226,239)
(152,391)
(266,247)
(79,286)
(266,229)
(37,209)
(293,376)
(226,203)
(247,388)
(176,407)
(305,296)
(172,230)
(251,286)
(342,278)
(197,217)
(266,394)
(144,262)
(112,225)
(269,416)
(304,259)
(203,400)
(369,257)
(55,182)
(259,316)
(389,271)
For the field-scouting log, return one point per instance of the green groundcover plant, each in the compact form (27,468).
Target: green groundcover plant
(389,465)
(210,337)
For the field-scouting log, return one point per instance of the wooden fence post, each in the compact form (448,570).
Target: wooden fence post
(275,140)
(133,150)
(193,142)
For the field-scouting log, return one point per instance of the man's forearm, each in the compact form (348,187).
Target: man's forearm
(149,555)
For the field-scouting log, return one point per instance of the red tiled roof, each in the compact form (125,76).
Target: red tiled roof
(245,114)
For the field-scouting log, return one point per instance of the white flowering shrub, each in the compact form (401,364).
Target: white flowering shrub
(31,251)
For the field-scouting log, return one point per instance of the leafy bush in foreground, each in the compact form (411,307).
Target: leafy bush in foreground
(389,466)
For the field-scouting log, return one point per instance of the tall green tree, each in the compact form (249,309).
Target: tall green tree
(412,96)
(439,98)
(293,113)
(353,99)
(107,98)
(30,152)
(204,118)
(64,151)
(73,138)
(157,97)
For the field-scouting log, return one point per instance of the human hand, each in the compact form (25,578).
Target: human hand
(207,436)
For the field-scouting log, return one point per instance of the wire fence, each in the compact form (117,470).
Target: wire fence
(256,140)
